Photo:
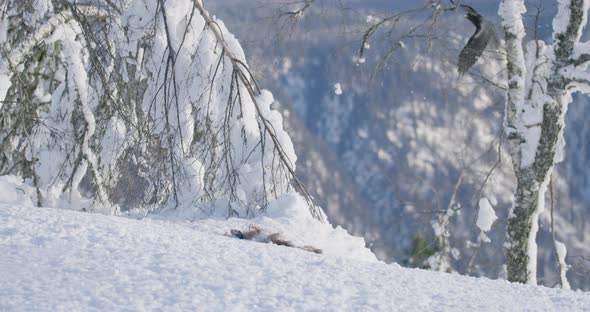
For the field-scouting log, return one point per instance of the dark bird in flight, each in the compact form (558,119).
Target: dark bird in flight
(484,33)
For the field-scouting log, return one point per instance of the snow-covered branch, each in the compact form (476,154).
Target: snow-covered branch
(248,81)
(139,104)
(511,13)
(572,16)
(19,53)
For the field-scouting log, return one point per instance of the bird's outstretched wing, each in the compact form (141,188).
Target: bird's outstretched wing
(475,47)
(471,52)
(478,42)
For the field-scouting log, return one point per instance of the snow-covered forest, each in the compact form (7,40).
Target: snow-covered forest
(442,135)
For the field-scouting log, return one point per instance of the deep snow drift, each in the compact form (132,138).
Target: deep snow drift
(63,260)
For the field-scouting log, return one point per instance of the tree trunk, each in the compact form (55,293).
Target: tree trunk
(519,229)
(539,91)
(529,197)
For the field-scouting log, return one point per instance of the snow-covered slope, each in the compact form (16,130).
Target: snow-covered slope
(56,260)
(387,153)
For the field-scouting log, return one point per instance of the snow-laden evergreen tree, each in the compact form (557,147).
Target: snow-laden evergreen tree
(111,105)
(541,79)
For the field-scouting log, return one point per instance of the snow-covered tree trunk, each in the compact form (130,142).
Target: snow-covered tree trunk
(541,79)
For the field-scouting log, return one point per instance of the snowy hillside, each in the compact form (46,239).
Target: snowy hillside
(56,260)
(402,145)
(152,111)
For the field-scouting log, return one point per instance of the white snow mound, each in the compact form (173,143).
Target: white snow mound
(58,260)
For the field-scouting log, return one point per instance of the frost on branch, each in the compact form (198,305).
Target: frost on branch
(137,104)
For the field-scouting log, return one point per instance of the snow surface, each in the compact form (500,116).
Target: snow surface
(63,260)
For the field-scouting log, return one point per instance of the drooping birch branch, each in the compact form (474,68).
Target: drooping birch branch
(248,81)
